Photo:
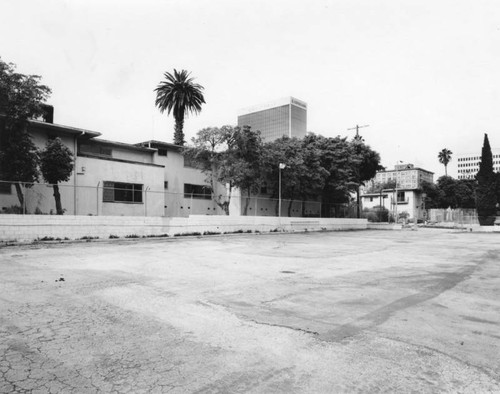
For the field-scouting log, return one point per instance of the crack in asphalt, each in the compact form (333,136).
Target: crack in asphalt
(284,326)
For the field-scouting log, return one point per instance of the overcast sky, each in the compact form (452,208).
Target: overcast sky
(424,74)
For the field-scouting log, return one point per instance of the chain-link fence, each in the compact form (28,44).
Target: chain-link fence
(459,217)
(115,199)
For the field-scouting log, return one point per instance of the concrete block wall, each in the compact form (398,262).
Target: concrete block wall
(22,228)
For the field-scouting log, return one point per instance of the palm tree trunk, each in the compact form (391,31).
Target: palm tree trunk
(179,133)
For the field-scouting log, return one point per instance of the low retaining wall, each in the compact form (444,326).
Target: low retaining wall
(384,226)
(22,228)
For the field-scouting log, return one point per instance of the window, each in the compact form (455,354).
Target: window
(122,192)
(197,191)
(162,152)
(95,150)
(165,185)
(5,188)
(401,196)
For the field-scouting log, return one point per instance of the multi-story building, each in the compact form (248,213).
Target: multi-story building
(403,196)
(468,164)
(407,176)
(283,117)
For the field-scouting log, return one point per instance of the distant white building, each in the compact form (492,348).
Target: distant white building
(468,164)
(406,197)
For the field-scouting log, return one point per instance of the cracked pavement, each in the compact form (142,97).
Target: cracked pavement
(368,311)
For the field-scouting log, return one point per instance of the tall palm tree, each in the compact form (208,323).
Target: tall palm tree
(178,94)
(444,157)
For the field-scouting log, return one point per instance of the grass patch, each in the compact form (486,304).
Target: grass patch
(211,233)
(194,233)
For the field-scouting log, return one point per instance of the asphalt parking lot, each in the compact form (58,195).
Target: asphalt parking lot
(364,311)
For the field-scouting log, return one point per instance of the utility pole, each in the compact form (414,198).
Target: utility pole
(358,138)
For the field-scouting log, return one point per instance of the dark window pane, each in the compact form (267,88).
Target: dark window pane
(122,192)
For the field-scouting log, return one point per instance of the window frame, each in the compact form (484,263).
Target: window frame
(122,192)
(201,192)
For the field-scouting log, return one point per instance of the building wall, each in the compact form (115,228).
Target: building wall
(406,178)
(90,198)
(299,121)
(468,164)
(26,228)
(96,147)
(176,175)
(412,203)
(283,117)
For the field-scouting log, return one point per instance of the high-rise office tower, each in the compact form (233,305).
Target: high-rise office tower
(283,117)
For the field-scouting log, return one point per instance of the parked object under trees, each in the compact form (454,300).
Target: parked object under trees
(486,193)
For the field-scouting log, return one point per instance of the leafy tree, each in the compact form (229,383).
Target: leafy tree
(180,95)
(287,151)
(19,162)
(336,160)
(450,193)
(312,180)
(444,157)
(21,96)
(432,195)
(208,153)
(365,164)
(21,99)
(244,161)
(230,157)
(486,198)
(56,165)
(466,193)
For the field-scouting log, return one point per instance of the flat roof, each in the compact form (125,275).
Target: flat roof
(406,169)
(162,144)
(273,104)
(124,145)
(65,129)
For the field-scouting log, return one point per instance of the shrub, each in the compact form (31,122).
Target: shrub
(13,210)
(376,214)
